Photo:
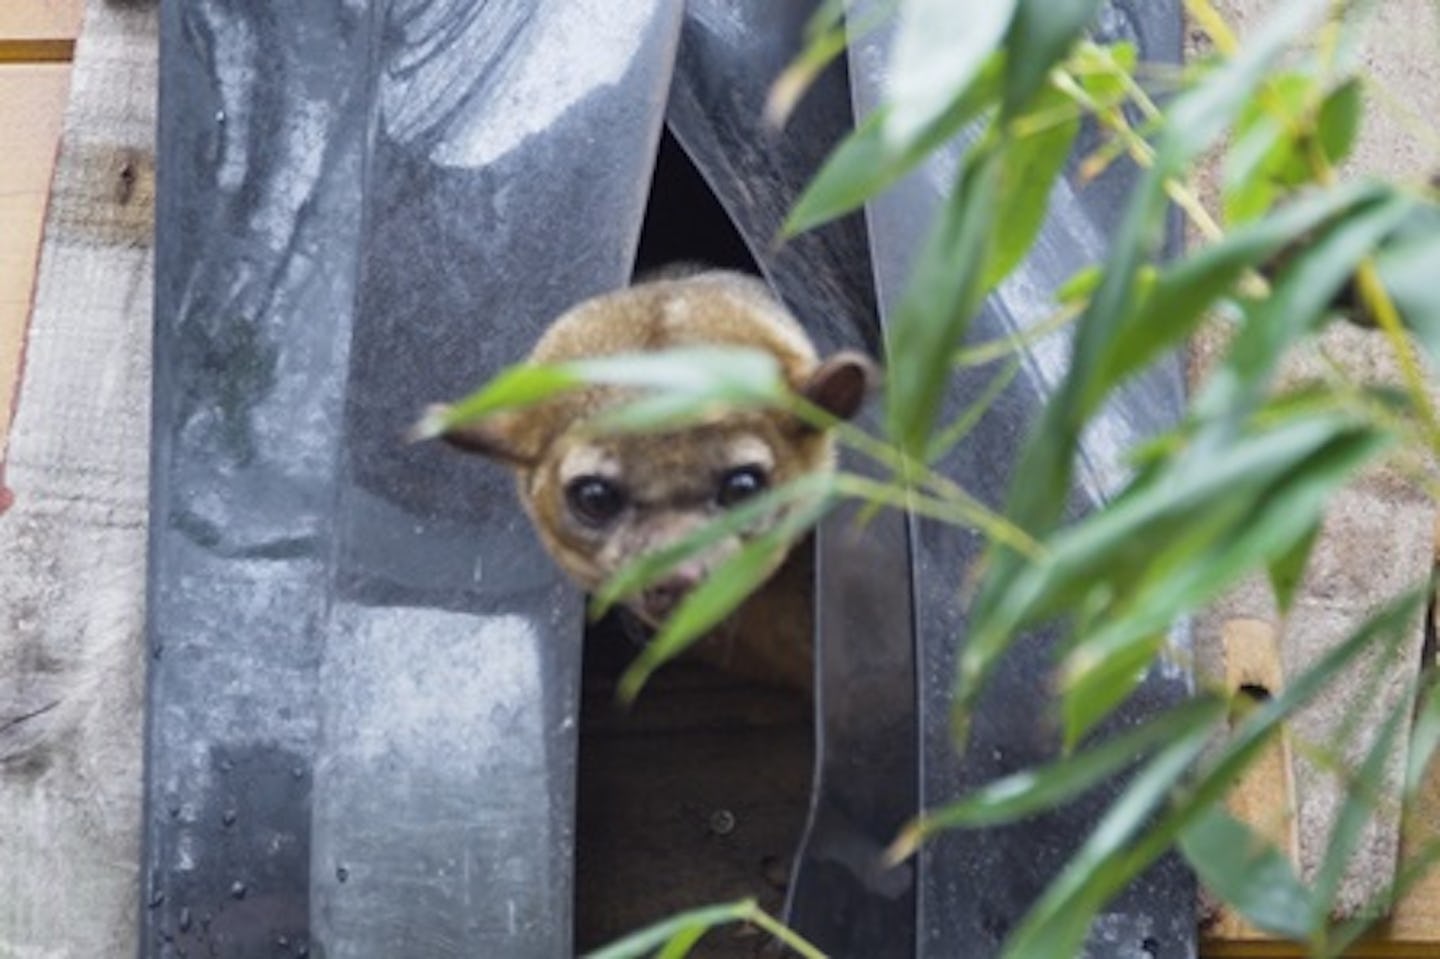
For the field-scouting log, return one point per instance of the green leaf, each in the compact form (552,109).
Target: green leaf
(695,379)
(1339,121)
(946,439)
(940,46)
(715,372)
(1287,571)
(1174,541)
(1298,303)
(1059,922)
(1080,287)
(1033,791)
(1269,151)
(513,388)
(1091,695)
(654,937)
(1109,861)
(1408,266)
(1028,170)
(1199,557)
(1105,72)
(720,594)
(939,302)
(1199,117)
(866,162)
(1424,739)
(1276,137)
(681,943)
(1249,873)
(1180,297)
(1040,35)
(1362,800)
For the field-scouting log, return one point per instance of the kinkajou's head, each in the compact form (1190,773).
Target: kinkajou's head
(599,500)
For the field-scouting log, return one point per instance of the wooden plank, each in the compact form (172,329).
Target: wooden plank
(1413,930)
(32,107)
(1264,797)
(72,582)
(40,19)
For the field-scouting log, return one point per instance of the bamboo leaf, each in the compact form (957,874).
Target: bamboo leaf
(1173,306)
(1028,171)
(1287,570)
(1089,695)
(1040,35)
(1109,860)
(939,302)
(939,46)
(720,594)
(1027,793)
(867,162)
(1408,267)
(1339,121)
(1424,739)
(1249,873)
(647,940)
(1059,922)
(1176,540)
(1362,800)
(644,570)
(694,380)
(1297,304)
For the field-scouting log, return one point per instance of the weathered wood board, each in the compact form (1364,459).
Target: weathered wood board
(32,104)
(72,582)
(39,30)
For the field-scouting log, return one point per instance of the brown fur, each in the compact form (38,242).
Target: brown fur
(669,479)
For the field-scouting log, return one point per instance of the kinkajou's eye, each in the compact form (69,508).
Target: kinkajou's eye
(594,499)
(740,484)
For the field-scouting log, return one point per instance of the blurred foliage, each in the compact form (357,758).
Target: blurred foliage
(1235,489)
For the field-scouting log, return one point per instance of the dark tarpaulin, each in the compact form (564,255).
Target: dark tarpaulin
(362,710)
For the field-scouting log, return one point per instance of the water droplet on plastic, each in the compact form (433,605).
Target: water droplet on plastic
(238,890)
(186,919)
(722,822)
(219,116)
(228,817)
(157,898)
(341,873)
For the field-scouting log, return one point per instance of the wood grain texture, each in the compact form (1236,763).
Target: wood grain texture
(73,580)
(32,106)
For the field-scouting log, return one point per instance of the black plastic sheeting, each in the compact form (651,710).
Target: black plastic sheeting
(362,721)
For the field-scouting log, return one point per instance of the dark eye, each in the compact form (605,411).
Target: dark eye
(740,484)
(594,499)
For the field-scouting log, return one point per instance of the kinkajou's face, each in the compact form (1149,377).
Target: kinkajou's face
(600,500)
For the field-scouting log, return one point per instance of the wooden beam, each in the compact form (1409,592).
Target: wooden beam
(72,581)
(40,19)
(32,106)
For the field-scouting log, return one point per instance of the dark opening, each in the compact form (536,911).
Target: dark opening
(699,793)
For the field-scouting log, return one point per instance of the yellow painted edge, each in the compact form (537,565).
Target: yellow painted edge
(37,51)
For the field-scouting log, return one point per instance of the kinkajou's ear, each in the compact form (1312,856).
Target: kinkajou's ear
(493,436)
(839,384)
